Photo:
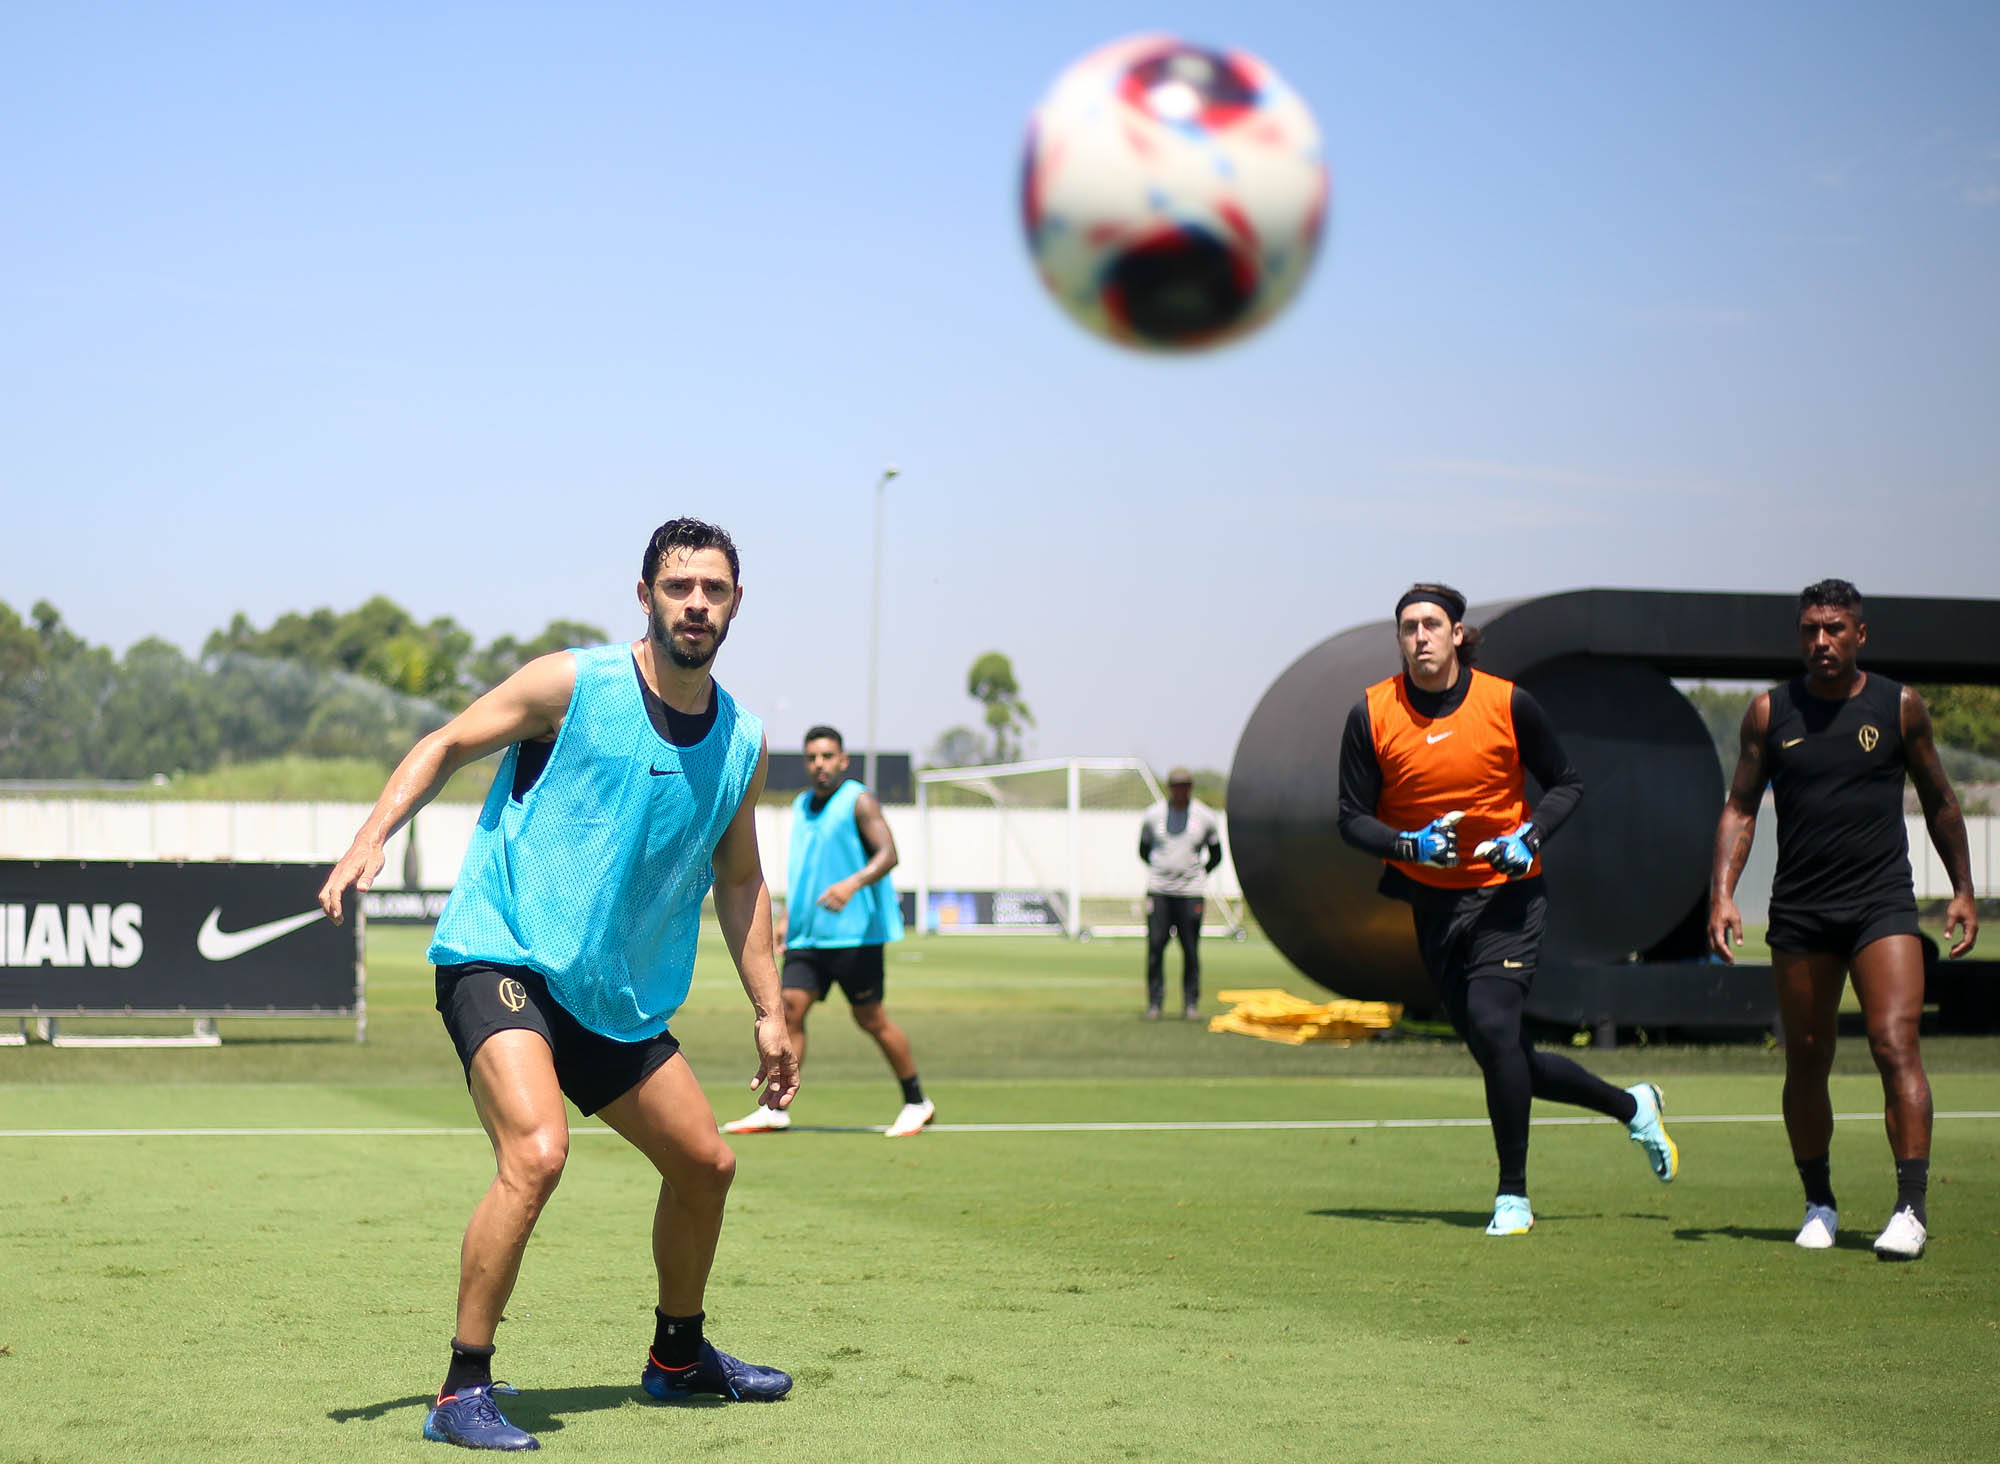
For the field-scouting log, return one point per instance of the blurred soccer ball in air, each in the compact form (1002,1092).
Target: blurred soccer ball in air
(1173,196)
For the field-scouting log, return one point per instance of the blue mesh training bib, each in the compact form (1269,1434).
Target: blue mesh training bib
(826,849)
(596,877)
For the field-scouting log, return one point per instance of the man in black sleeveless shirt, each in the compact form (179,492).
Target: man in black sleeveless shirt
(1835,745)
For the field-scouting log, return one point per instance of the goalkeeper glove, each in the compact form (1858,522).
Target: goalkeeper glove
(1435,843)
(1512,854)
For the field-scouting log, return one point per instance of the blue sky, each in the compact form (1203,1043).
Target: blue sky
(301,304)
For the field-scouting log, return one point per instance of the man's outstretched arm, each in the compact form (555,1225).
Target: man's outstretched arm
(529,704)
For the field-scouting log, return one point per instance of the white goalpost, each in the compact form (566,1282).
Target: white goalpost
(1067,832)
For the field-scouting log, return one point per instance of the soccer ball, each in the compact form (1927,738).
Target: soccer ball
(1173,196)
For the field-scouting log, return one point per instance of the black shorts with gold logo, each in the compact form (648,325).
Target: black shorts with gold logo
(856,970)
(480,998)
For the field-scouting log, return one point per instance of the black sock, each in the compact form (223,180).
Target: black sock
(913,1091)
(1818,1180)
(676,1340)
(1913,1177)
(471,1367)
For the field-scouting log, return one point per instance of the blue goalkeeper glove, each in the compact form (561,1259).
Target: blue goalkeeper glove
(1435,843)
(1512,854)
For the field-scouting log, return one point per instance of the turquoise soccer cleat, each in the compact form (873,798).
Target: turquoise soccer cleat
(1511,1216)
(1650,1134)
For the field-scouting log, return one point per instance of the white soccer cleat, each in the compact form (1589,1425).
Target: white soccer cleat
(911,1120)
(1902,1239)
(760,1120)
(1822,1224)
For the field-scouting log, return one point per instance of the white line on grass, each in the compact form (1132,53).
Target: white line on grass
(1197,1126)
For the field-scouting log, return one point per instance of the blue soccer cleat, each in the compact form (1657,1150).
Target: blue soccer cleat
(470,1419)
(1511,1216)
(1650,1134)
(714,1374)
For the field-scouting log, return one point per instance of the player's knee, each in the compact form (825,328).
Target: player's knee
(1489,1032)
(1809,1056)
(716,1170)
(534,1163)
(1895,1048)
(870,1017)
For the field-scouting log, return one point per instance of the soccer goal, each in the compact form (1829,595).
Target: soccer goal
(1049,846)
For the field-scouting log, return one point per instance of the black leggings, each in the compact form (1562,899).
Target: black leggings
(1170,915)
(1487,1014)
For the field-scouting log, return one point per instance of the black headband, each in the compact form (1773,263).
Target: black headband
(1453,605)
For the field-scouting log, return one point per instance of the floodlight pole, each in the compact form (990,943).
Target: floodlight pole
(875,628)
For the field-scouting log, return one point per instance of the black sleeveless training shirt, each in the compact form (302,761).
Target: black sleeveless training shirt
(1837,771)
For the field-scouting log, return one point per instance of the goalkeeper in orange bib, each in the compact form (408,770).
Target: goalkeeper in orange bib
(1432,762)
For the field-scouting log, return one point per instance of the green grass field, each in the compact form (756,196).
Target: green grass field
(1159,1294)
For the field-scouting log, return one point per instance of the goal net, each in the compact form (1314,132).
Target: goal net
(1049,846)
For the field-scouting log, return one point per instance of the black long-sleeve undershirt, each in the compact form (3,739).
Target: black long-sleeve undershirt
(1535,737)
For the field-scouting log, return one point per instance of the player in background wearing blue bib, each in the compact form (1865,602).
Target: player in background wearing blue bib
(629,786)
(840,910)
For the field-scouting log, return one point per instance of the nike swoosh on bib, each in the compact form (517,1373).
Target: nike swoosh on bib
(217,944)
(1438,736)
(663,772)
(1793,743)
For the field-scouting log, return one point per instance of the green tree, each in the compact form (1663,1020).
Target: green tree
(957,747)
(505,655)
(53,690)
(161,716)
(1965,717)
(377,639)
(991,683)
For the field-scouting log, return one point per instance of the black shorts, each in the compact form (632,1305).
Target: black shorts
(481,998)
(1838,932)
(856,970)
(1495,930)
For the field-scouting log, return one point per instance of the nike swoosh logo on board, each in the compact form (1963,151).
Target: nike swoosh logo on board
(216,944)
(663,772)
(1793,743)
(1438,736)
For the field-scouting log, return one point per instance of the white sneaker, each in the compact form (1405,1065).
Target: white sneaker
(1822,1223)
(1902,1239)
(760,1120)
(911,1120)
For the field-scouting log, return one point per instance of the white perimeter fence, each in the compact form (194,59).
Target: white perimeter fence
(970,848)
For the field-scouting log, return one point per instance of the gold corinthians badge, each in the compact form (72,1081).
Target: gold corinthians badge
(1869,737)
(513,995)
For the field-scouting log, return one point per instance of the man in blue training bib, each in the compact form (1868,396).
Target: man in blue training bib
(840,910)
(628,788)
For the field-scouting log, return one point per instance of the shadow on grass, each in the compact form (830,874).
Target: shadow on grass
(368,1412)
(1464,1219)
(538,1410)
(1849,1241)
